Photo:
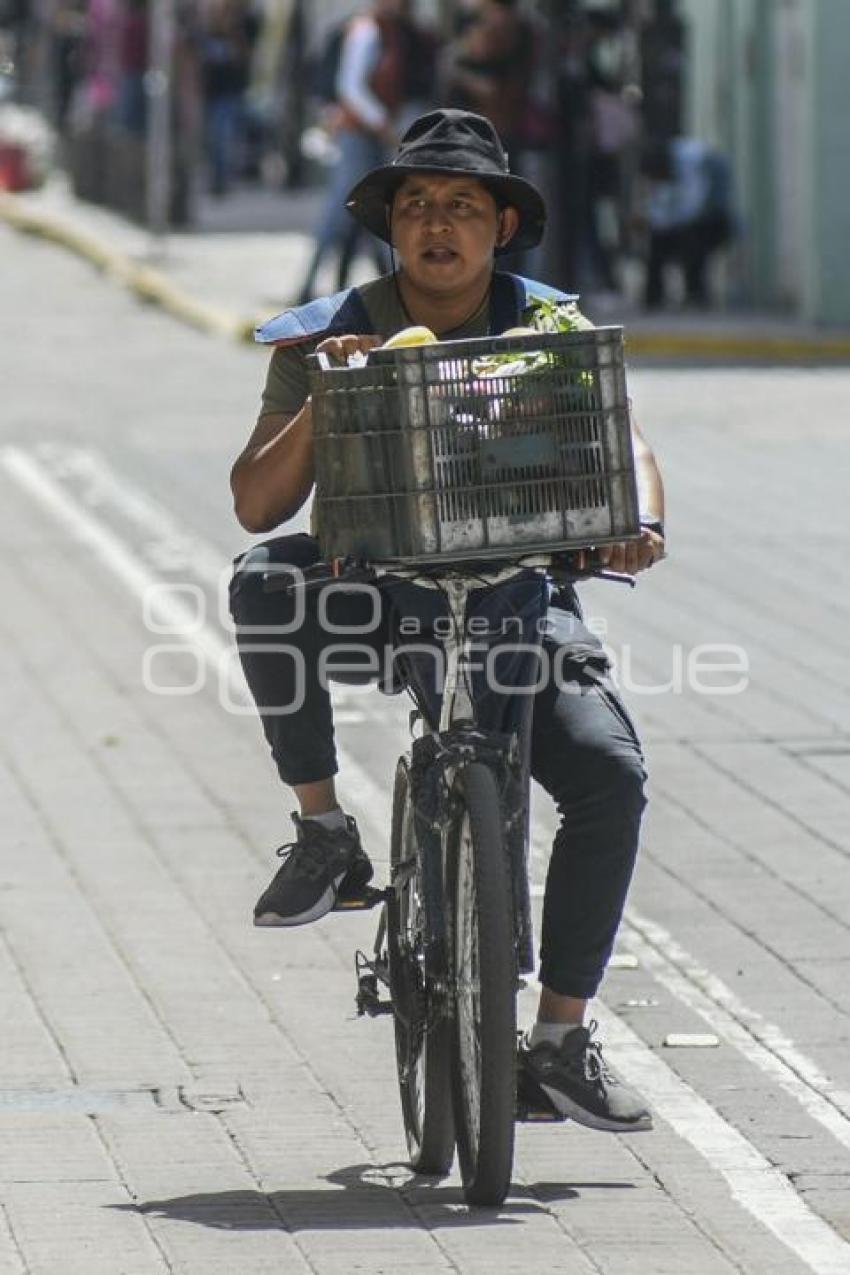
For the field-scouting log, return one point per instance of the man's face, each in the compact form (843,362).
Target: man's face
(445,230)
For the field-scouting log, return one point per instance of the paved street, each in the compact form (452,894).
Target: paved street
(180,1092)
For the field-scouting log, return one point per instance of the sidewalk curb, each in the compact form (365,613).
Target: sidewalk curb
(154,287)
(146,282)
(764,348)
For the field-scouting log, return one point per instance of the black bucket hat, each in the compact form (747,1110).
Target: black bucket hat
(450,143)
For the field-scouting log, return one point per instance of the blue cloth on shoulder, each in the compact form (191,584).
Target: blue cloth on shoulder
(345,312)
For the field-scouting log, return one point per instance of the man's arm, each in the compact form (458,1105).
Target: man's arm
(361,50)
(649,484)
(274,473)
(636,555)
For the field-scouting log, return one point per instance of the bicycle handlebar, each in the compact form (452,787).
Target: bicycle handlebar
(351,571)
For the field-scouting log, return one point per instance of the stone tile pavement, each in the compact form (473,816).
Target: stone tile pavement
(181,1093)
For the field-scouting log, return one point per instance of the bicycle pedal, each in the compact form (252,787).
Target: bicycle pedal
(366,899)
(371,977)
(368,999)
(535,1114)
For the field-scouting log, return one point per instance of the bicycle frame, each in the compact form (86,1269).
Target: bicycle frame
(453,737)
(455,740)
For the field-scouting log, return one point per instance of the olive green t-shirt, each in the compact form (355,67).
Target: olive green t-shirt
(287,382)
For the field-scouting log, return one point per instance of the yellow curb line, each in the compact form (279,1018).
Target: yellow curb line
(148,284)
(779,348)
(152,286)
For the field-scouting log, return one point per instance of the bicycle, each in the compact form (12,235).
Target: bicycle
(430,477)
(455,934)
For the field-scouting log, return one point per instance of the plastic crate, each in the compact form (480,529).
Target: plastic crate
(421,457)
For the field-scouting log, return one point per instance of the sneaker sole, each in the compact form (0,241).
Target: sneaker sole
(573,1111)
(319,909)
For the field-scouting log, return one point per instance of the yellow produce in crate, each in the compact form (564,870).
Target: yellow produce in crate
(410,336)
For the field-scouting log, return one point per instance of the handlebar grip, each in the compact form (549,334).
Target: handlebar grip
(566,569)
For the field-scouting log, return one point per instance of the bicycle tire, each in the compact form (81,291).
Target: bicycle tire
(484,976)
(423,1058)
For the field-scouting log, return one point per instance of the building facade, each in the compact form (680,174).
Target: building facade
(767,81)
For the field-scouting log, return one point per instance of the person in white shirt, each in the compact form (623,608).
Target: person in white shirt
(369,94)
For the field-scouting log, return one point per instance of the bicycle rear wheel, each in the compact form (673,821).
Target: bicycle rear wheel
(484,972)
(422,1030)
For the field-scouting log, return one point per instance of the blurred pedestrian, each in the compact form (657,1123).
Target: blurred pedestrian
(689,214)
(370,90)
(68,30)
(102,41)
(613,129)
(226,44)
(489,69)
(663,60)
(131,106)
(420,52)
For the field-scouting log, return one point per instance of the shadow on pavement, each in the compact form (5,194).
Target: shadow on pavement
(364,1202)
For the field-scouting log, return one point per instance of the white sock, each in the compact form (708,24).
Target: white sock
(554,1033)
(331,819)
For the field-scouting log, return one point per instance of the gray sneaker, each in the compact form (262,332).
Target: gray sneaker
(581,1085)
(320,866)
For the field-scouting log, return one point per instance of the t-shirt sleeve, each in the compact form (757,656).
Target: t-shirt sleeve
(287,381)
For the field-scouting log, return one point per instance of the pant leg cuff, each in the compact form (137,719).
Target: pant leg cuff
(312,774)
(581,986)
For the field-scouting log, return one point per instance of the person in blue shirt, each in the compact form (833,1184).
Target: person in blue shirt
(689,215)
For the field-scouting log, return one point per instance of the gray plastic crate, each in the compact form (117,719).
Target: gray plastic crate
(420,457)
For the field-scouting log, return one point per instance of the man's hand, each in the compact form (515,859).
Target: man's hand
(342,347)
(631,556)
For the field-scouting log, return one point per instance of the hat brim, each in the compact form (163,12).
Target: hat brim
(369,199)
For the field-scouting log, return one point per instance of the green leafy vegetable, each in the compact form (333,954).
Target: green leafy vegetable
(543,315)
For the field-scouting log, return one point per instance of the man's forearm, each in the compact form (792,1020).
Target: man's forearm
(650,488)
(648,476)
(272,479)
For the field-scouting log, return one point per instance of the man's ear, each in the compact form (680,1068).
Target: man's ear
(509,220)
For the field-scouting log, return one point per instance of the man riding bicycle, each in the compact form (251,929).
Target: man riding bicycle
(447,205)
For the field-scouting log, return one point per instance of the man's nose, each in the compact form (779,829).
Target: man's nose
(437,217)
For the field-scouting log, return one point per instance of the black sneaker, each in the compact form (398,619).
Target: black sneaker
(321,865)
(580,1084)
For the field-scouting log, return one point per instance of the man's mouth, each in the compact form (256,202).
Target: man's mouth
(439,254)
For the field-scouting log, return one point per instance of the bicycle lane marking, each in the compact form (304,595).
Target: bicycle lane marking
(181,620)
(760,1188)
(169,547)
(214,652)
(763,1190)
(760,1041)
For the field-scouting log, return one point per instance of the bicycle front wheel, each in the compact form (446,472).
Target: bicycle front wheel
(422,1030)
(484,972)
